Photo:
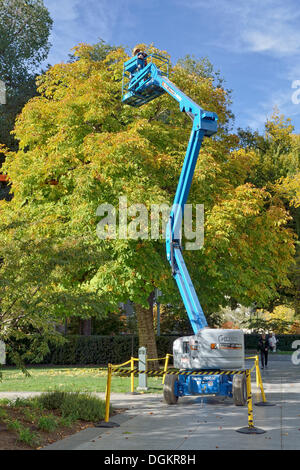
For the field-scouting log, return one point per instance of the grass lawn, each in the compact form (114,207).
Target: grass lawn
(74,379)
(68,379)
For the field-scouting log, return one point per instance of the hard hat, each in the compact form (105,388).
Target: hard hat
(136,50)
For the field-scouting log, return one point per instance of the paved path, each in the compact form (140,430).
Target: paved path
(201,424)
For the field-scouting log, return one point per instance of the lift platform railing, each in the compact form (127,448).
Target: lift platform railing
(137,77)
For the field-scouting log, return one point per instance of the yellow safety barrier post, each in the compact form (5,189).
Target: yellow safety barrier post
(132,375)
(107,393)
(166,367)
(257,371)
(259,384)
(250,429)
(106,423)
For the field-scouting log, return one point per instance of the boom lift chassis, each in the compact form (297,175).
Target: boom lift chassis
(142,82)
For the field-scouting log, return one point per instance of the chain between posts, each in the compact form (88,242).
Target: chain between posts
(122,371)
(112,369)
(259,382)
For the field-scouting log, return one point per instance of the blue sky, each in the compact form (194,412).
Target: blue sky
(254,43)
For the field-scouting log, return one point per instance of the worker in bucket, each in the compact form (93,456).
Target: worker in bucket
(140,55)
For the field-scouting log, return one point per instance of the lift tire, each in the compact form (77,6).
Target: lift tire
(169,389)
(239,390)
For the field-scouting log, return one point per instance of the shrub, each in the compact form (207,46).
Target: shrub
(27,436)
(3,414)
(52,400)
(74,405)
(24,434)
(83,406)
(47,423)
(24,402)
(66,421)
(14,425)
(284,341)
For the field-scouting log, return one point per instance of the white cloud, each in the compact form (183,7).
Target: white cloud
(280,100)
(273,34)
(268,26)
(63,10)
(78,21)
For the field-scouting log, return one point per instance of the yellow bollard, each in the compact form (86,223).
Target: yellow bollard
(249,400)
(132,374)
(106,423)
(166,367)
(264,402)
(261,386)
(107,393)
(259,382)
(257,371)
(250,429)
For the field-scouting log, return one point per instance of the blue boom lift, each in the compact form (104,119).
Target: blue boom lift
(209,351)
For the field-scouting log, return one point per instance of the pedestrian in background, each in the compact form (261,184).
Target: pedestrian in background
(273,342)
(263,348)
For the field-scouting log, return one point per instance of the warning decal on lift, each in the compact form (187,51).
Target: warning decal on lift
(230,346)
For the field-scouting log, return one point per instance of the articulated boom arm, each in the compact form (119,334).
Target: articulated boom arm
(146,82)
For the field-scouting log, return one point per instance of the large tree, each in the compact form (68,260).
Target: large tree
(79,147)
(277,170)
(24,44)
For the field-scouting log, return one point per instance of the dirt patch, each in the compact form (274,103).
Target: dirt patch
(35,438)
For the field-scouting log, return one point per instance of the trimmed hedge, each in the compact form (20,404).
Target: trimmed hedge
(284,341)
(99,350)
(94,350)
(102,350)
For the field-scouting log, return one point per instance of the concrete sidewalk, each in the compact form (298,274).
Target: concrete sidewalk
(202,424)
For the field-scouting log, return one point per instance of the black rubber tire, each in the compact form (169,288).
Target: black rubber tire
(239,390)
(169,386)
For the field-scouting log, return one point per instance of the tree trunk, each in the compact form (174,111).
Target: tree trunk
(146,331)
(86,327)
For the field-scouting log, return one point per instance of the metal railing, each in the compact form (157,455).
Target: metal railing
(162,63)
